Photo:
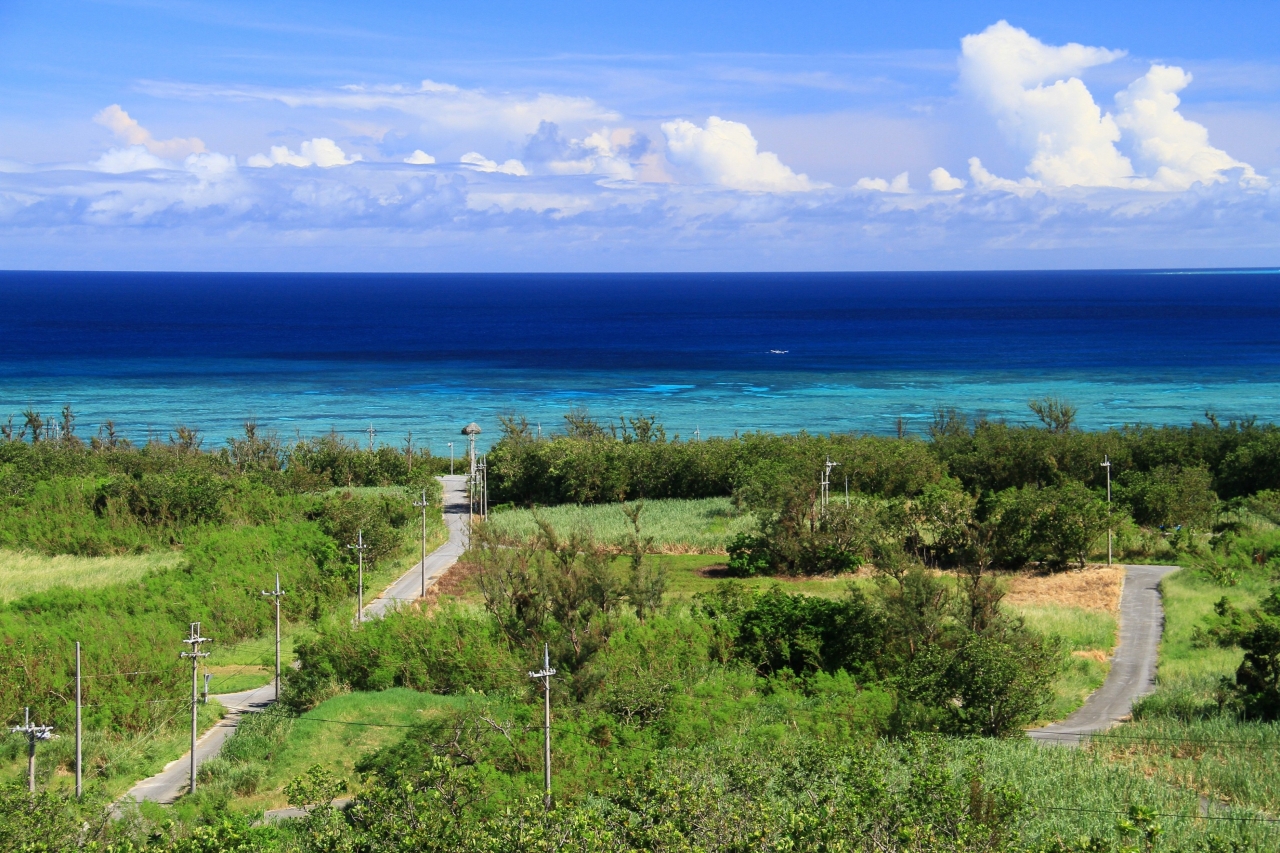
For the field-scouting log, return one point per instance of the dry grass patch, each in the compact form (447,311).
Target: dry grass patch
(23,573)
(1095,588)
(458,581)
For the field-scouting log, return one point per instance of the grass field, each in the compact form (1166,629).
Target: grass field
(334,735)
(252,663)
(1189,597)
(1070,793)
(23,573)
(677,526)
(1179,736)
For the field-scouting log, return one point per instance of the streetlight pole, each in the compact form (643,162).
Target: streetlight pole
(1106,463)
(451,459)
(423,505)
(471,430)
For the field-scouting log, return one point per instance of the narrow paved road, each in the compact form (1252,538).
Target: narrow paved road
(1133,668)
(409,586)
(172,782)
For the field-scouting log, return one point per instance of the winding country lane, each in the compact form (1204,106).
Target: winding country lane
(171,783)
(1133,668)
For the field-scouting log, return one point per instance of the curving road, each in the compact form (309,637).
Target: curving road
(1133,667)
(172,782)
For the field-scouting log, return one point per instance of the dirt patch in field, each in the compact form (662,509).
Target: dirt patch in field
(1092,588)
(457,582)
(1092,654)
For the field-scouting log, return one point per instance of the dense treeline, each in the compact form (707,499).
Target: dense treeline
(236,515)
(971,491)
(593,461)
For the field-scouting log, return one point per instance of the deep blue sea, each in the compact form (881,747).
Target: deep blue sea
(303,354)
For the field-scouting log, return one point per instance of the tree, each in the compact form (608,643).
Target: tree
(986,684)
(1055,413)
(34,422)
(1258,678)
(1170,495)
(1070,521)
(645,586)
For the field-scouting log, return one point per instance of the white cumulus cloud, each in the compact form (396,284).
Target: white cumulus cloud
(984,181)
(1043,107)
(483,164)
(1174,150)
(127,129)
(321,152)
(420,158)
(942,181)
(726,153)
(135,158)
(1047,111)
(900,184)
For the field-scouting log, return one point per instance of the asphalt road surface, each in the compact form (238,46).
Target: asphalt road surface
(409,587)
(1133,668)
(173,781)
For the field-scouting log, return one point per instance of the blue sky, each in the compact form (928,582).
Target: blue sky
(589,136)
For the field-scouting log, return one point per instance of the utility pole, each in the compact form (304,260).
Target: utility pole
(846,491)
(1106,463)
(825,482)
(277,595)
(34,733)
(359,549)
(372,432)
(422,504)
(545,675)
(451,459)
(79,729)
(409,447)
(195,654)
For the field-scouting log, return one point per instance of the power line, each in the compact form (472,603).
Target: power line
(1245,818)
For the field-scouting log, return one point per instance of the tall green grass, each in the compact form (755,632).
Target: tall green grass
(703,526)
(24,573)
(1078,630)
(270,749)
(1071,792)
(1231,761)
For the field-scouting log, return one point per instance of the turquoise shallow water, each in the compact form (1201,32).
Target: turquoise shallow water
(719,354)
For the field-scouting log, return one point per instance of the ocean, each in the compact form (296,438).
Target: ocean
(708,354)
